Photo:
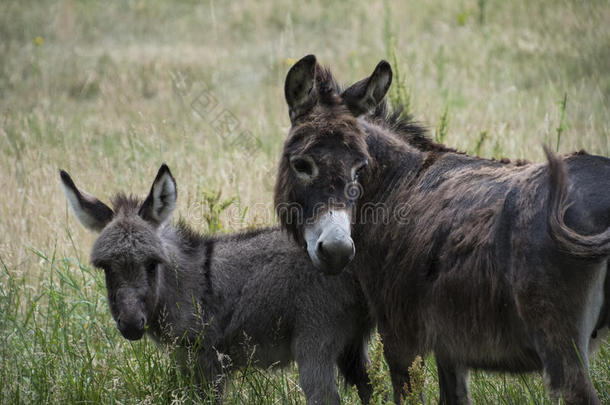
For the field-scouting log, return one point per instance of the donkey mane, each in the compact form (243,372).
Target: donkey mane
(122,202)
(249,234)
(399,120)
(396,119)
(191,238)
(328,88)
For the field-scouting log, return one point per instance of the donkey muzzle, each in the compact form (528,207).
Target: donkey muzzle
(132,326)
(329,243)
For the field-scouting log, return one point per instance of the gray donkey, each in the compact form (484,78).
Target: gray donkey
(227,300)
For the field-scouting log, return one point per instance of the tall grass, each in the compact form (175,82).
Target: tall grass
(108,91)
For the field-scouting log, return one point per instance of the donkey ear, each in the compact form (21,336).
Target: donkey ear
(363,96)
(161,200)
(90,211)
(299,87)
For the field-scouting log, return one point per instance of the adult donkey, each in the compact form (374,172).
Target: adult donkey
(246,296)
(487,264)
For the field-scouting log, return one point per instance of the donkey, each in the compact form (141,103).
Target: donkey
(487,264)
(227,301)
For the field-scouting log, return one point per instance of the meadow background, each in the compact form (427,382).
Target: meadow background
(110,90)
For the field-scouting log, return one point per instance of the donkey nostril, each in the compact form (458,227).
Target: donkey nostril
(336,252)
(321,251)
(142,322)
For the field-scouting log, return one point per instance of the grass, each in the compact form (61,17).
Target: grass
(109,91)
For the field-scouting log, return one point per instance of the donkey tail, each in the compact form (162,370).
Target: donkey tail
(575,244)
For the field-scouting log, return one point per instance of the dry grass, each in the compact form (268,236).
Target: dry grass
(106,91)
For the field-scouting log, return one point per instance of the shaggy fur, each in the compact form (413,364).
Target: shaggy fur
(227,301)
(488,264)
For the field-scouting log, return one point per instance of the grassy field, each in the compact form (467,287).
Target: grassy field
(110,90)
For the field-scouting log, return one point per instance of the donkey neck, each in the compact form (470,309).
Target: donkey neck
(395,168)
(184,282)
(394,164)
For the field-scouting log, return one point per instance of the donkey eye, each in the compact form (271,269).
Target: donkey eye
(358,169)
(304,167)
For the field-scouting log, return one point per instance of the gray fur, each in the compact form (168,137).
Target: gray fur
(230,299)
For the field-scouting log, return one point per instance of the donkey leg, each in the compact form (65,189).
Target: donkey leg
(203,370)
(561,320)
(211,376)
(400,355)
(353,364)
(317,379)
(453,383)
(566,372)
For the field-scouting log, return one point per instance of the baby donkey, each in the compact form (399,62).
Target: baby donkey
(228,300)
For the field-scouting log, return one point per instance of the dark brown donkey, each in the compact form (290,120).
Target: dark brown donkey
(489,265)
(229,300)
